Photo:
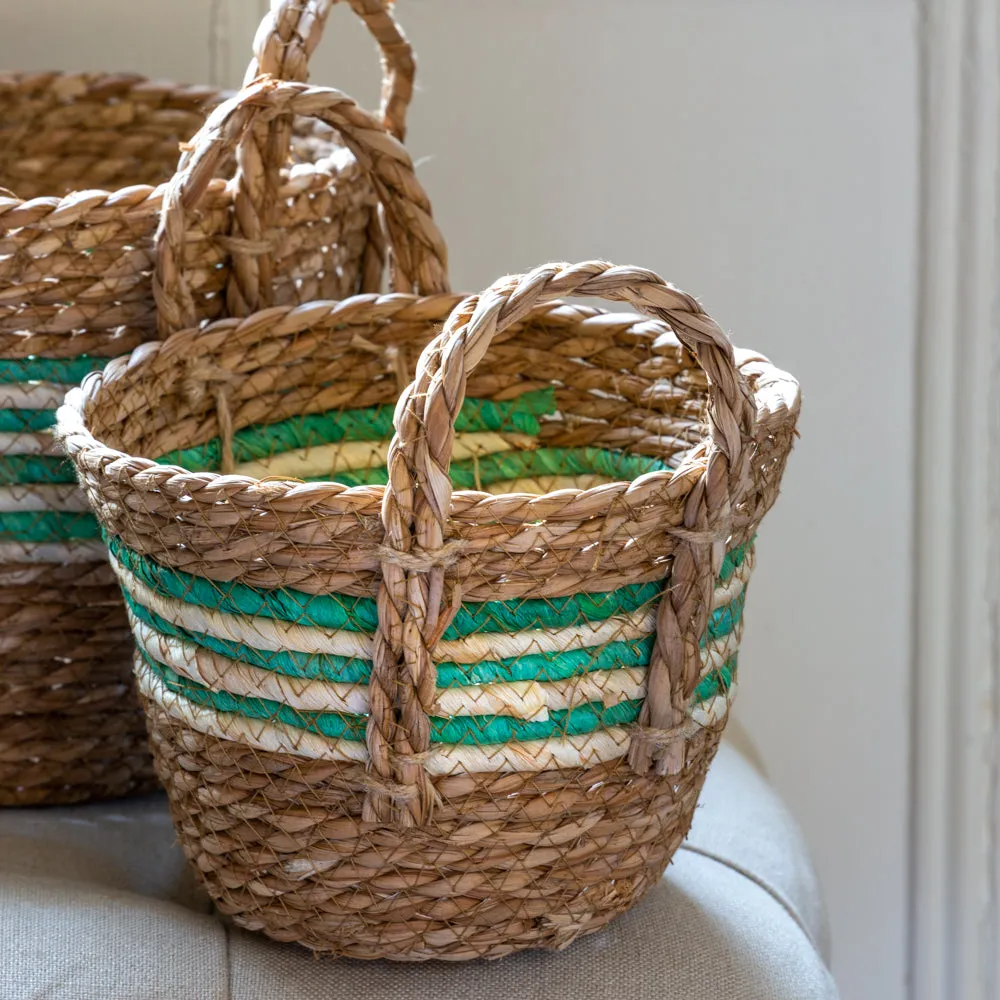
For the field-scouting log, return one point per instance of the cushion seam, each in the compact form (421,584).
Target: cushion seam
(774,893)
(226,931)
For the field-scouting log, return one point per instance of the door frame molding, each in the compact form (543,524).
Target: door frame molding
(955,771)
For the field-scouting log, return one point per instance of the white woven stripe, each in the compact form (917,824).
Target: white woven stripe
(343,456)
(501,645)
(53,552)
(41,497)
(729,591)
(266,634)
(718,652)
(273,635)
(528,700)
(533,755)
(32,395)
(28,443)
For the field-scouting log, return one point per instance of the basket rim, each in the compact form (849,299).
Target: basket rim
(775,392)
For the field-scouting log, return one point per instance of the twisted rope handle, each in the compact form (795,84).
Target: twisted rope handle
(420,252)
(291,30)
(286,39)
(412,615)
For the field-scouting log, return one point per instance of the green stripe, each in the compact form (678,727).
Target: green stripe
(35,469)
(469,474)
(352,670)
(724,620)
(717,682)
(48,526)
(261,441)
(15,421)
(734,559)
(471,730)
(49,369)
(356,670)
(360,614)
(555,666)
(549,613)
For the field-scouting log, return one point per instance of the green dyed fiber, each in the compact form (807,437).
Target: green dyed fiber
(17,421)
(33,369)
(717,682)
(35,469)
(360,614)
(261,441)
(469,730)
(470,474)
(48,526)
(353,670)
(553,666)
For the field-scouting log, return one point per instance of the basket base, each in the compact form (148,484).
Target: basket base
(55,759)
(509,861)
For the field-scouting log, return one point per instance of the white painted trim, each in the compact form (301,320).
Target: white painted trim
(954,915)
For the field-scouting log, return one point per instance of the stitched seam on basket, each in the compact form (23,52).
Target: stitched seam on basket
(775,894)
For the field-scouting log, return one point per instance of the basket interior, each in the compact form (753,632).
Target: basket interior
(543,411)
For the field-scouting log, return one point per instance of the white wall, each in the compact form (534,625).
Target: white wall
(763,155)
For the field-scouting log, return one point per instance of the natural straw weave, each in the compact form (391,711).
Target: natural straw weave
(87,155)
(460,701)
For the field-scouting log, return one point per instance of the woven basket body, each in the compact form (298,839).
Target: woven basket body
(437,667)
(83,161)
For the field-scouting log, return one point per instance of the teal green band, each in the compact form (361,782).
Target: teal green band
(66,370)
(717,682)
(374,423)
(18,421)
(468,730)
(360,614)
(355,670)
(734,559)
(475,730)
(35,469)
(469,474)
(48,526)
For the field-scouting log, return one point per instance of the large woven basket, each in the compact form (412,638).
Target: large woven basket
(436,668)
(86,155)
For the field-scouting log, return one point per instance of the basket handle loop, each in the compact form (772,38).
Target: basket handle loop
(285,40)
(291,30)
(417,500)
(420,255)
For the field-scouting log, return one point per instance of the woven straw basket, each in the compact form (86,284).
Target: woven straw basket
(75,290)
(436,668)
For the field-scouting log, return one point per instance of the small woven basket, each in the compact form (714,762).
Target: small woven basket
(86,155)
(436,668)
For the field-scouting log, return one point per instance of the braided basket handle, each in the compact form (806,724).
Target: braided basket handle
(418,497)
(286,39)
(420,252)
(291,30)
